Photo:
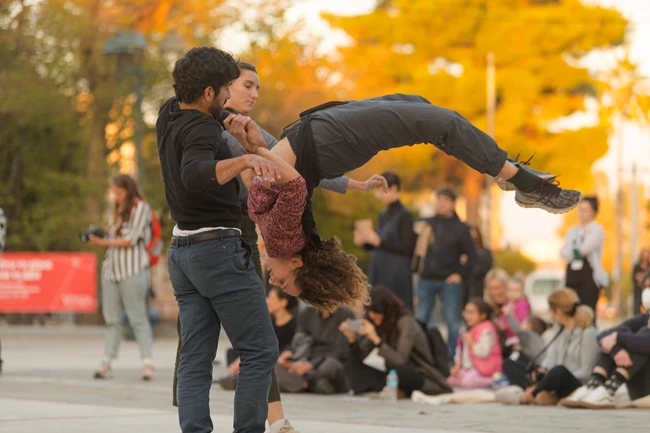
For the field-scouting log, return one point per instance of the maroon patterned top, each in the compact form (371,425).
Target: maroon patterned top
(278,213)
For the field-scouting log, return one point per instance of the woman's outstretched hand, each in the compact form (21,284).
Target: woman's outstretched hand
(375,181)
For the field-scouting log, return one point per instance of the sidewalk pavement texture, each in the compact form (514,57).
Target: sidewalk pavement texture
(47,386)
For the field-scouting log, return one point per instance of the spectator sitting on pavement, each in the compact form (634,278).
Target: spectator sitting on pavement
(624,358)
(402,343)
(281,307)
(530,346)
(496,289)
(318,351)
(517,306)
(478,353)
(570,358)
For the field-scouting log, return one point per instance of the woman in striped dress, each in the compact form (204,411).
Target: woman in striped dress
(125,278)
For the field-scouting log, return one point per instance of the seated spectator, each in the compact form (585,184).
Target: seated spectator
(496,288)
(402,344)
(571,354)
(281,307)
(530,346)
(623,358)
(314,363)
(517,306)
(478,355)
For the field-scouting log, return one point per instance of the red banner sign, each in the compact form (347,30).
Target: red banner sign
(48,282)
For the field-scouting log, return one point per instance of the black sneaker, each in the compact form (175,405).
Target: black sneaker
(550,197)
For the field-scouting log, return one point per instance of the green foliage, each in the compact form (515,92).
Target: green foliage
(41,155)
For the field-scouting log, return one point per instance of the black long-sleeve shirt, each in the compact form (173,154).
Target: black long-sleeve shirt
(451,241)
(404,241)
(189,147)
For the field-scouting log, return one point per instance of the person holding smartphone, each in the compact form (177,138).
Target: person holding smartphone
(401,341)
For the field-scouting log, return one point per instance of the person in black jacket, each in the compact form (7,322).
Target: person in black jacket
(391,244)
(444,270)
(484,262)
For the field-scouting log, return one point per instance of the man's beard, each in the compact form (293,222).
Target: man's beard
(215,109)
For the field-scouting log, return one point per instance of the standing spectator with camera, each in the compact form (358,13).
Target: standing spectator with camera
(125,278)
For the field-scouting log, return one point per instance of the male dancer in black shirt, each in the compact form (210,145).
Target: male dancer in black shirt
(210,267)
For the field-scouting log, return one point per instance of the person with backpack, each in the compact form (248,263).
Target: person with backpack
(131,249)
(402,343)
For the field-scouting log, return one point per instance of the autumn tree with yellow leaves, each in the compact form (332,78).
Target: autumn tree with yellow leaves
(439,50)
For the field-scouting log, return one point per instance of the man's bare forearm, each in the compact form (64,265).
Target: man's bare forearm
(228,169)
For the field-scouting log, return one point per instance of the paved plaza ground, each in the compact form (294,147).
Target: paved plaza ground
(48,387)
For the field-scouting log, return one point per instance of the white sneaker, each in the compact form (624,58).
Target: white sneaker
(578,395)
(509,395)
(599,398)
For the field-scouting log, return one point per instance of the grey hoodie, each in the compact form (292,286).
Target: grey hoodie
(576,350)
(530,342)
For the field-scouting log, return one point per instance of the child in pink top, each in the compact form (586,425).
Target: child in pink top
(478,353)
(517,305)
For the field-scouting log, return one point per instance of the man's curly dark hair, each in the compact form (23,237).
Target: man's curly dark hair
(330,278)
(202,67)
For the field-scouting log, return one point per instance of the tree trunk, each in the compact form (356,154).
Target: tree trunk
(473,187)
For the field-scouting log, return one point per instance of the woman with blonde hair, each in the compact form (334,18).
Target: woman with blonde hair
(496,286)
(571,355)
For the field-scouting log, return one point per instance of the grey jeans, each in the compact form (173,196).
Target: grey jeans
(347,136)
(215,284)
(130,294)
(249,235)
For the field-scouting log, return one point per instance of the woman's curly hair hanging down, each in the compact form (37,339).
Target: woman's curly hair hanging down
(330,278)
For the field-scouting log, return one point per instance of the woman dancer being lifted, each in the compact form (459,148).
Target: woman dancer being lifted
(335,138)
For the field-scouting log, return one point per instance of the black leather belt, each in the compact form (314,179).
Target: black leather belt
(221,234)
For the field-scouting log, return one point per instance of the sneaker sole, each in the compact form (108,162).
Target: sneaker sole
(570,404)
(507,186)
(537,205)
(586,405)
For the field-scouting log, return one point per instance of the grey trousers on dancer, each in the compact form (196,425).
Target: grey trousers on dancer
(250,236)
(347,136)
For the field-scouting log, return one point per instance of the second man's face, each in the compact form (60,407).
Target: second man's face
(244,92)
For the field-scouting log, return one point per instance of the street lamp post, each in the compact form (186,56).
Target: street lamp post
(128,47)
